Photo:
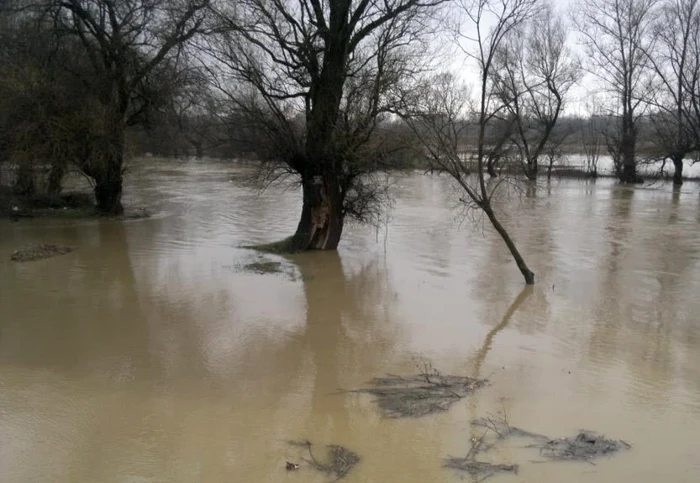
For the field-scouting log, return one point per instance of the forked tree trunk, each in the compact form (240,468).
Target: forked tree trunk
(528,275)
(321,222)
(678,170)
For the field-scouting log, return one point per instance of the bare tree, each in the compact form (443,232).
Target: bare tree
(122,46)
(616,34)
(534,71)
(591,138)
(34,94)
(675,62)
(312,79)
(441,111)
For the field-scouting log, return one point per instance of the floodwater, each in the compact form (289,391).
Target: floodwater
(150,354)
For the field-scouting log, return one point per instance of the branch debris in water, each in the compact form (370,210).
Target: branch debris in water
(419,395)
(338,464)
(585,446)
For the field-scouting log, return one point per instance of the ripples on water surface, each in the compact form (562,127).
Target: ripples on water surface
(148,355)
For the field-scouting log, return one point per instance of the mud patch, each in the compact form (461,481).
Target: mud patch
(39,252)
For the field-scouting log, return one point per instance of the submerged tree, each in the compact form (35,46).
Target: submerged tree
(311,80)
(616,34)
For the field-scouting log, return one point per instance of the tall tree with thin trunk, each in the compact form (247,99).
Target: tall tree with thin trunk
(312,79)
(616,34)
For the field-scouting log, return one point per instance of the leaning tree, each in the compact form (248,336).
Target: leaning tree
(441,111)
(311,80)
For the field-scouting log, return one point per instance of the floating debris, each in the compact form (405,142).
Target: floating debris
(39,252)
(481,469)
(339,462)
(419,395)
(503,429)
(478,468)
(585,446)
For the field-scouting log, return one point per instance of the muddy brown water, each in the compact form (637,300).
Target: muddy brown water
(149,355)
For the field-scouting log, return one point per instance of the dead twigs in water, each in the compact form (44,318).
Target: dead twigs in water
(482,469)
(503,429)
(585,446)
(339,462)
(421,394)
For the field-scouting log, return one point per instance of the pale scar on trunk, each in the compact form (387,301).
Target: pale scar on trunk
(319,220)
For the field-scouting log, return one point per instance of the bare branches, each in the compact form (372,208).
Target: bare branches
(674,61)
(616,34)
(315,79)
(533,72)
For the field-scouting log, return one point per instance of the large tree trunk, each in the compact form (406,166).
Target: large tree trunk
(628,145)
(321,222)
(528,275)
(109,170)
(532,166)
(108,191)
(678,170)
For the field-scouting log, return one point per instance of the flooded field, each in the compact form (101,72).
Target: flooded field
(159,350)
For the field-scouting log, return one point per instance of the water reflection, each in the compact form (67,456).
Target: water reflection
(481,354)
(150,354)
